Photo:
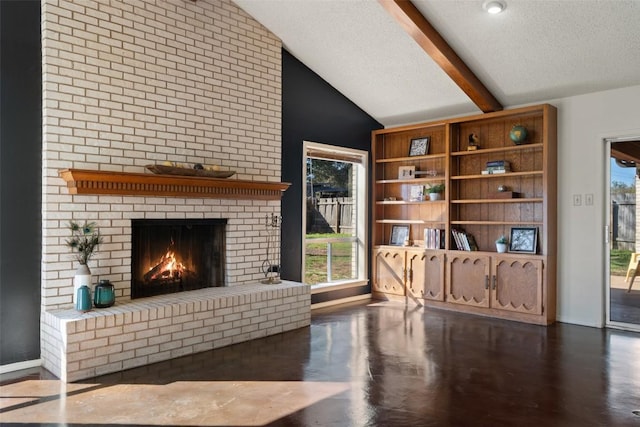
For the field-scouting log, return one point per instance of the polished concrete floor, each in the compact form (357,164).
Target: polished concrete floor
(368,364)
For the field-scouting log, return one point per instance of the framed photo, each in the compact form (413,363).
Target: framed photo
(416,193)
(406,172)
(524,240)
(419,146)
(399,235)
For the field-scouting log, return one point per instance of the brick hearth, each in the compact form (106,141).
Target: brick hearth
(148,330)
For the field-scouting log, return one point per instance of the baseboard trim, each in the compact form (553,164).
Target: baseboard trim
(340,301)
(18,366)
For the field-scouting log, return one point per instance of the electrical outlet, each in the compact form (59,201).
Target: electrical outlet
(577,200)
(588,199)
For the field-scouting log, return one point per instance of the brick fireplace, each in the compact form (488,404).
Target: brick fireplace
(128,84)
(183,82)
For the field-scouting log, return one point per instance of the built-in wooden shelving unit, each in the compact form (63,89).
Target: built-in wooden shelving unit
(432,264)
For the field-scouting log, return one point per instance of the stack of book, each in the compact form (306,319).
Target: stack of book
(463,240)
(433,238)
(497,166)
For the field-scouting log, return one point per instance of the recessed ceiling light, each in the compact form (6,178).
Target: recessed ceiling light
(494,6)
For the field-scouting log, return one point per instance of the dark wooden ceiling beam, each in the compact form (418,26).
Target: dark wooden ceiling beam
(417,26)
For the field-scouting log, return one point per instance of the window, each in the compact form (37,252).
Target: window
(334,224)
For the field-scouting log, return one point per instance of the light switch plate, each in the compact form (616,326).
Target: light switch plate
(577,200)
(588,199)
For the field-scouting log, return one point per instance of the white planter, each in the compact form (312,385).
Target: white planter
(434,196)
(501,247)
(81,278)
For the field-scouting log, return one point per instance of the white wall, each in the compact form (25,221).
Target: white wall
(583,122)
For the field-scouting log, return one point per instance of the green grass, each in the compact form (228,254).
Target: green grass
(316,259)
(619,261)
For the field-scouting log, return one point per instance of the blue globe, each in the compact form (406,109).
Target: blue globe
(518,134)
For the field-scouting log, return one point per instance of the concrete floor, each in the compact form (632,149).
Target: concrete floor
(367,364)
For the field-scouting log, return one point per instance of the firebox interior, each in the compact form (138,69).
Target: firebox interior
(176,255)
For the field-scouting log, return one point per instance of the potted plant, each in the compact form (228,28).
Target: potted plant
(83,242)
(435,191)
(501,244)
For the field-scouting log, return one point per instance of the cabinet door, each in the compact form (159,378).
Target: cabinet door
(517,285)
(468,279)
(426,275)
(390,272)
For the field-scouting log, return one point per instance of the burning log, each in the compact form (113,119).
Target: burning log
(168,268)
(160,270)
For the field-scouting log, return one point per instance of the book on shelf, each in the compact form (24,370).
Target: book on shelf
(433,238)
(498,163)
(473,246)
(456,239)
(497,166)
(495,171)
(463,240)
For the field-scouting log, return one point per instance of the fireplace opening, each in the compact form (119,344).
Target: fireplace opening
(176,255)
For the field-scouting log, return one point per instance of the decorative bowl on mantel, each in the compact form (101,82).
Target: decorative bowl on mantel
(173,170)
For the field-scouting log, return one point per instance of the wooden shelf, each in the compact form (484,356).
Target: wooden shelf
(80,181)
(498,150)
(483,201)
(412,181)
(408,202)
(411,158)
(498,175)
(407,221)
(513,223)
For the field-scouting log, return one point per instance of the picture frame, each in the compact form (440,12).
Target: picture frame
(406,172)
(416,193)
(419,146)
(399,235)
(524,240)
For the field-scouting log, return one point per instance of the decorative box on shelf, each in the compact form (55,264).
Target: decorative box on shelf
(505,195)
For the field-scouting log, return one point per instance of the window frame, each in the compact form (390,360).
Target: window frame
(360,161)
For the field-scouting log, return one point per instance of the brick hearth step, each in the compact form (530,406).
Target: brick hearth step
(139,332)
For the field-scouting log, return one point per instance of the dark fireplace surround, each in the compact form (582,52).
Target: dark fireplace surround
(176,255)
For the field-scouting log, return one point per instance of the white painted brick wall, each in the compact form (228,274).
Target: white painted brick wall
(130,83)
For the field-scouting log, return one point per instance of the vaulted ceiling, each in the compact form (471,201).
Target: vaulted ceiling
(534,51)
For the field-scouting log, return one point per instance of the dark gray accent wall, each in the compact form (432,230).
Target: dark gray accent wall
(312,110)
(20,180)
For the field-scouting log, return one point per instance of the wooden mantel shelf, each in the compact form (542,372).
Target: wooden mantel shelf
(80,181)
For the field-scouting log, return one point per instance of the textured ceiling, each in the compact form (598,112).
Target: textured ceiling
(536,50)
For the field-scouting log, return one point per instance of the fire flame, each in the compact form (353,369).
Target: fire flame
(171,266)
(167,268)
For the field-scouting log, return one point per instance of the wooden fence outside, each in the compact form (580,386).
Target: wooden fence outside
(330,215)
(623,221)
